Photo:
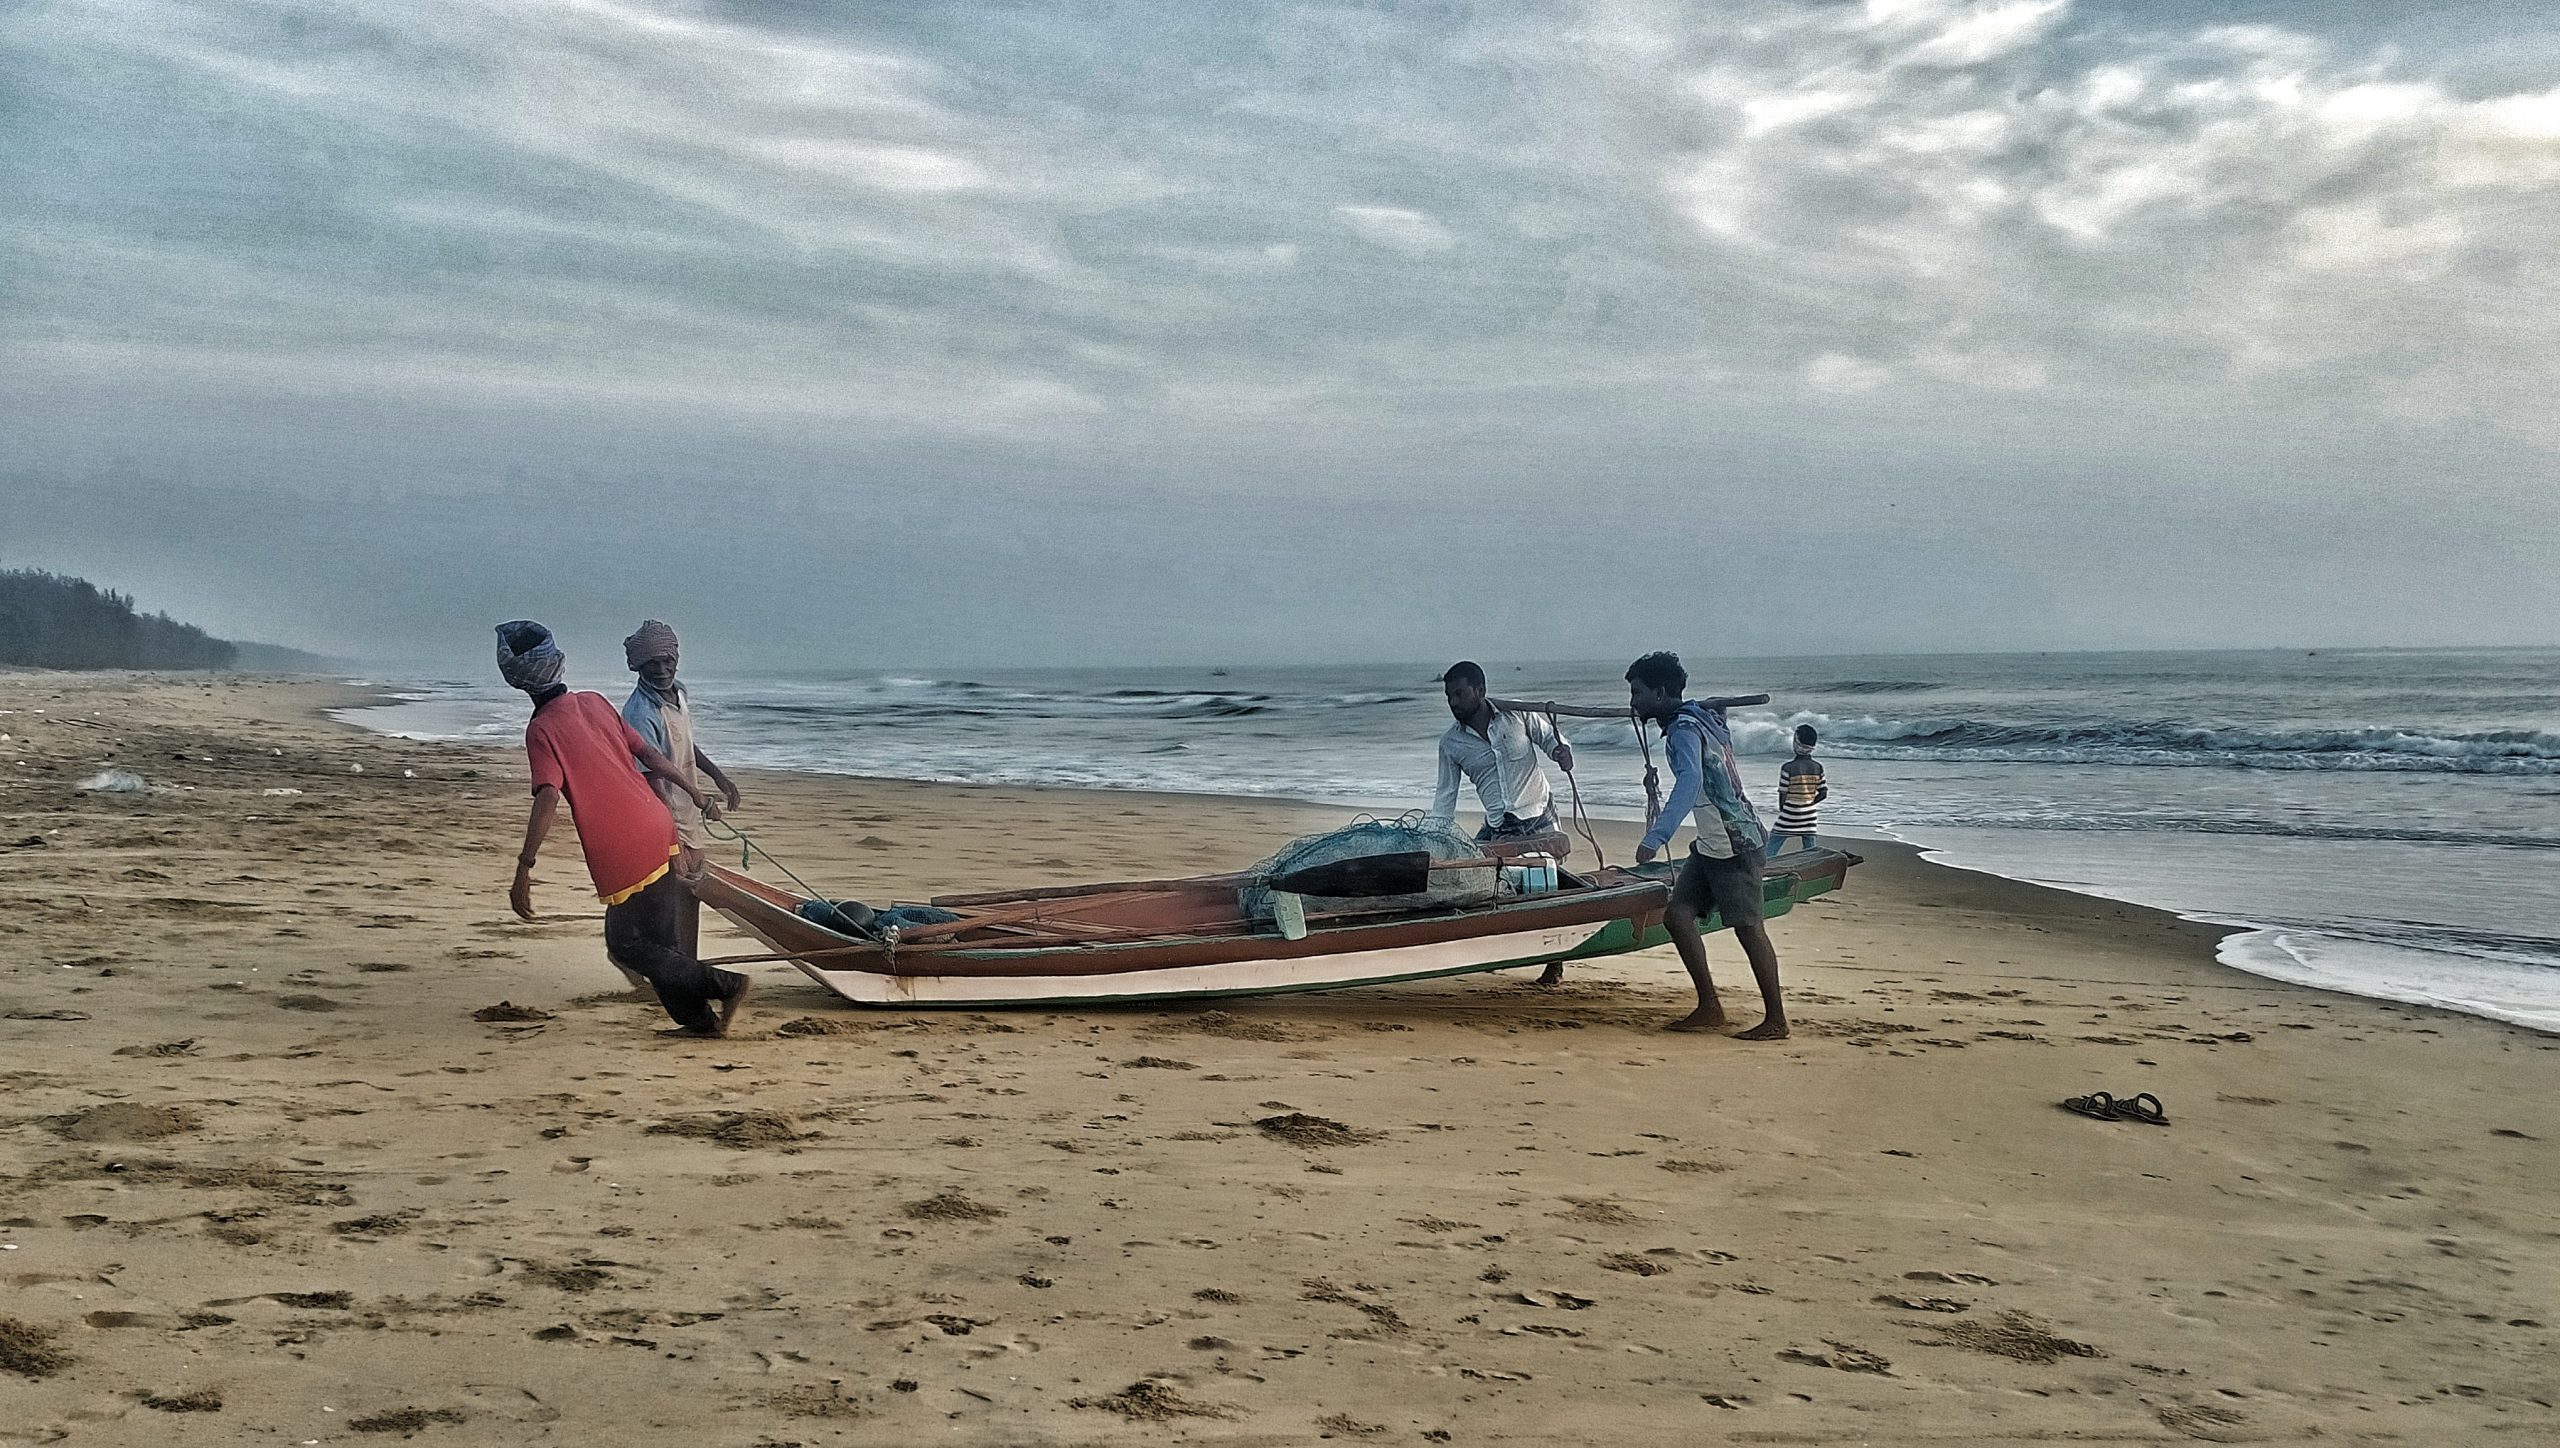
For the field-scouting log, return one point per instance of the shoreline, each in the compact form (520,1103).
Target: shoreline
(287,1073)
(2224,939)
(2220,938)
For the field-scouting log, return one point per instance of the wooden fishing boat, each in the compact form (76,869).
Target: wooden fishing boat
(1189,939)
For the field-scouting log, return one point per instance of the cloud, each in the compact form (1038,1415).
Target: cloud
(2123,209)
(1216,250)
(1832,372)
(1989,195)
(1413,233)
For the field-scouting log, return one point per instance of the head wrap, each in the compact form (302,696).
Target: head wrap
(528,657)
(653,640)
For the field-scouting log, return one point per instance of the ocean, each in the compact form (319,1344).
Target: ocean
(2378,822)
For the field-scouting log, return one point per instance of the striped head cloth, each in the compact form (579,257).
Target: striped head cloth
(652,640)
(528,657)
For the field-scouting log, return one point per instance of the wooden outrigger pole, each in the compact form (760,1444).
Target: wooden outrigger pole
(1586,711)
(1652,780)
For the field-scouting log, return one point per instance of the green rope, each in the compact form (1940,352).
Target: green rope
(722,830)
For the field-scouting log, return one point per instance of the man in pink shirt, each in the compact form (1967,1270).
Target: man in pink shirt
(580,750)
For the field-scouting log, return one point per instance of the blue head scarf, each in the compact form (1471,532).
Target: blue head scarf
(528,657)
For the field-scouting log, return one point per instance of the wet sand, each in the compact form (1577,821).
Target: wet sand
(272,1169)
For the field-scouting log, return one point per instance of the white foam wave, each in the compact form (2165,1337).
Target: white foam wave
(2519,994)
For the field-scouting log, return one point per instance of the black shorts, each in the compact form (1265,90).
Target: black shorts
(1730,887)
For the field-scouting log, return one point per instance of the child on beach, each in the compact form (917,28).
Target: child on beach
(1725,860)
(582,751)
(1800,788)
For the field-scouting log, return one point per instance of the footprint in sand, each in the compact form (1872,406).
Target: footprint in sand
(161,1051)
(404,1421)
(1922,1304)
(509,1011)
(2012,1335)
(126,1121)
(951,1207)
(1598,1212)
(1633,1264)
(1844,1357)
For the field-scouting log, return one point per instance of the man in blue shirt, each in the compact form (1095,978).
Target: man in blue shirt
(1723,869)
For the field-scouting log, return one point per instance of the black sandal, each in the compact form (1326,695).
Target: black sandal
(2097,1106)
(2135,1110)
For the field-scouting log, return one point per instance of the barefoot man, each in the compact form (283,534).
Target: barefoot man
(660,710)
(1723,867)
(581,751)
(1497,751)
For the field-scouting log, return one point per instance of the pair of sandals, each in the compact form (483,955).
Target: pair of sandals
(2098,1105)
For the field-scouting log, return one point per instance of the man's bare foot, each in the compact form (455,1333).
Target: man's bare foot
(727,1010)
(1700,1021)
(1554,974)
(1772,1029)
(692,1033)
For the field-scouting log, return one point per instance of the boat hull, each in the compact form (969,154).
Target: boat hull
(1609,912)
(1338,970)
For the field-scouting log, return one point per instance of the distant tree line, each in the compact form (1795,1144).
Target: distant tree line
(48,621)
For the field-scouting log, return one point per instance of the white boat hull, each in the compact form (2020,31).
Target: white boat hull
(1241,977)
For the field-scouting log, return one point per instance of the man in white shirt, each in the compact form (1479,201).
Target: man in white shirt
(1497,752)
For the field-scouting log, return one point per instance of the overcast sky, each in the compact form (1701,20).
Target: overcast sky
(1018,333)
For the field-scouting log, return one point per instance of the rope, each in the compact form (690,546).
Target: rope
(888,942)
(1652,780)
(1581,821)
(745,845)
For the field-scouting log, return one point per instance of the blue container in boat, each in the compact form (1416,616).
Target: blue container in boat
(1529,875)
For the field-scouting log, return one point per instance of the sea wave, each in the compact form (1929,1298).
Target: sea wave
(2502,751)
(1874,686)
(2241,825)
(978,701)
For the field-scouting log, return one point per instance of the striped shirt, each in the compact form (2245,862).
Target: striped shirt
(1800,788)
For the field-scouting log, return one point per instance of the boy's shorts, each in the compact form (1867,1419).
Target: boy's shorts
(1731,887)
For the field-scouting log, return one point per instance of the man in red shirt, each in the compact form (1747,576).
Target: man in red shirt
(582,751)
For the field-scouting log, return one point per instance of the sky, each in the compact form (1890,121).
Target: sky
(1012,334)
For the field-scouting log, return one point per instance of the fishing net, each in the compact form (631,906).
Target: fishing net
(1449,889)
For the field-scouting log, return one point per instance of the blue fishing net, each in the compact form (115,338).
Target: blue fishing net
(1449,889)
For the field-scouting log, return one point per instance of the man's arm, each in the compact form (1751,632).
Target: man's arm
(654,760)
(1444,797)
(546,805)
(728,790)
(665,768)
(1681,745)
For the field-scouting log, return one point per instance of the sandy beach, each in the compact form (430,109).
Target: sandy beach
(275,1171)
